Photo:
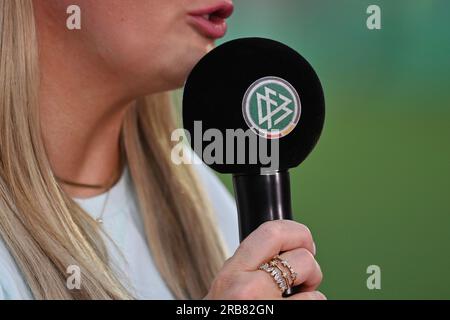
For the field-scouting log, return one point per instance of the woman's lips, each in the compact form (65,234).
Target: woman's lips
(211,21)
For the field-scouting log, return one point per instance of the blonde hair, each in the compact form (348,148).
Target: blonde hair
(46,231)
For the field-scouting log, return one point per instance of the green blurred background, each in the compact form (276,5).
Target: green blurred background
(375,191)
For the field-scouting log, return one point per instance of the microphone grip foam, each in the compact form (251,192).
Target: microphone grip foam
(262,198)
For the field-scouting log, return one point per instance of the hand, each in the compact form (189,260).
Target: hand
(240,279)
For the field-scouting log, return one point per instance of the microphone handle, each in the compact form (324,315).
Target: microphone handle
(261,198)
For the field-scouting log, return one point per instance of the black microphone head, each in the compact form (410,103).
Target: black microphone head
(258,86)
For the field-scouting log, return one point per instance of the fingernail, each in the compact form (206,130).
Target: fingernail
(314,248)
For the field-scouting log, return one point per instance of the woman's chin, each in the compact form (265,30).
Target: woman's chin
(172,73)
(176,76)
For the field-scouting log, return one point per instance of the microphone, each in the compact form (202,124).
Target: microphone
(254,108)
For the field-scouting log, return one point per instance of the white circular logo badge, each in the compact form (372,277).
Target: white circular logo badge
(271,107)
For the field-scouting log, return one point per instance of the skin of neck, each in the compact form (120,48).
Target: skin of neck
(82,104)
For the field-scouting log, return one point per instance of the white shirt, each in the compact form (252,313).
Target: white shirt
(130,253)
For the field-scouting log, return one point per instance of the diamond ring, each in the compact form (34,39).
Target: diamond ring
(278,275)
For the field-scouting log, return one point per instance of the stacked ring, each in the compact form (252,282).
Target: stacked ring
(277,275)
(281,271)
(285,263)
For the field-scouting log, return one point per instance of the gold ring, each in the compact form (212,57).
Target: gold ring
(292,274)
(277,274)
